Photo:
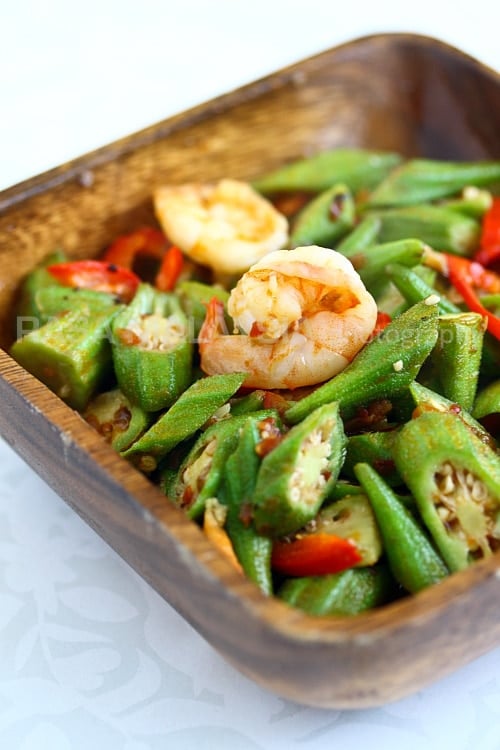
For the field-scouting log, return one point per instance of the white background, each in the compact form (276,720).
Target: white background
(89,655)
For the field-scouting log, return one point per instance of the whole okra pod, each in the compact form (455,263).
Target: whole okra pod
(412,559)
(438,227)
(357,168)
(421,180)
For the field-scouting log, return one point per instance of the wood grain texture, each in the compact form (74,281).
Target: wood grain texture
(398,92)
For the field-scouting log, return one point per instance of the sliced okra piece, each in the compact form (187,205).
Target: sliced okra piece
(252,549)
(362,236)
(27,311)
(413,561)
(325,219)
(421,180)
(152,349)
(439,227)
(296,476)
(115,418)
(374,448)
(357,168)
(455,479)
(457,356)
(71,353)
(191,411)
(200,474)
(346,593)
(384,368)
(425,399)
(472,202)
(194,297)
(352,517)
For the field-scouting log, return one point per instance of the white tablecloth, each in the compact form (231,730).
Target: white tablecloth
(90,656)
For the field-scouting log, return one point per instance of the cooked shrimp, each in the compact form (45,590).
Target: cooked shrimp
(226,226)
(304,314)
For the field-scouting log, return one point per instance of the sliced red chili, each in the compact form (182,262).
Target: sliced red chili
(97,274)
(314,554)
(145,241)
(467,276)
(170,269)
(383,320)
(489,243)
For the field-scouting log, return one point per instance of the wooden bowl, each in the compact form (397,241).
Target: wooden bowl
(392,91)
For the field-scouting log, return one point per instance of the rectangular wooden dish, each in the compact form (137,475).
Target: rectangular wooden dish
(394,91)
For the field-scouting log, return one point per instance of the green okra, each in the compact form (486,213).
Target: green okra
(252,549)
(152,349)
(425,399)
(351,517)
(415,288)
(201,472)
(441,228)
(413,561)
(372,262)
(188,414)
(347,593)
(384,368)
(457,356)
(421,180)
(362,236)
(473,202)
(118,420)
(455,479)
(296,476)
(487,402)
(491,302)
(51,301)
(325,219)
(194,297)
(38,279)
(251,402)
(374,448)
(71,353)
(357,168)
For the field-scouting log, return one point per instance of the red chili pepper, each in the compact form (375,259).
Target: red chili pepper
(145,241)
(383,320)
(170,269)
(98,275)
(314,555)
(467,276)
(489,243)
